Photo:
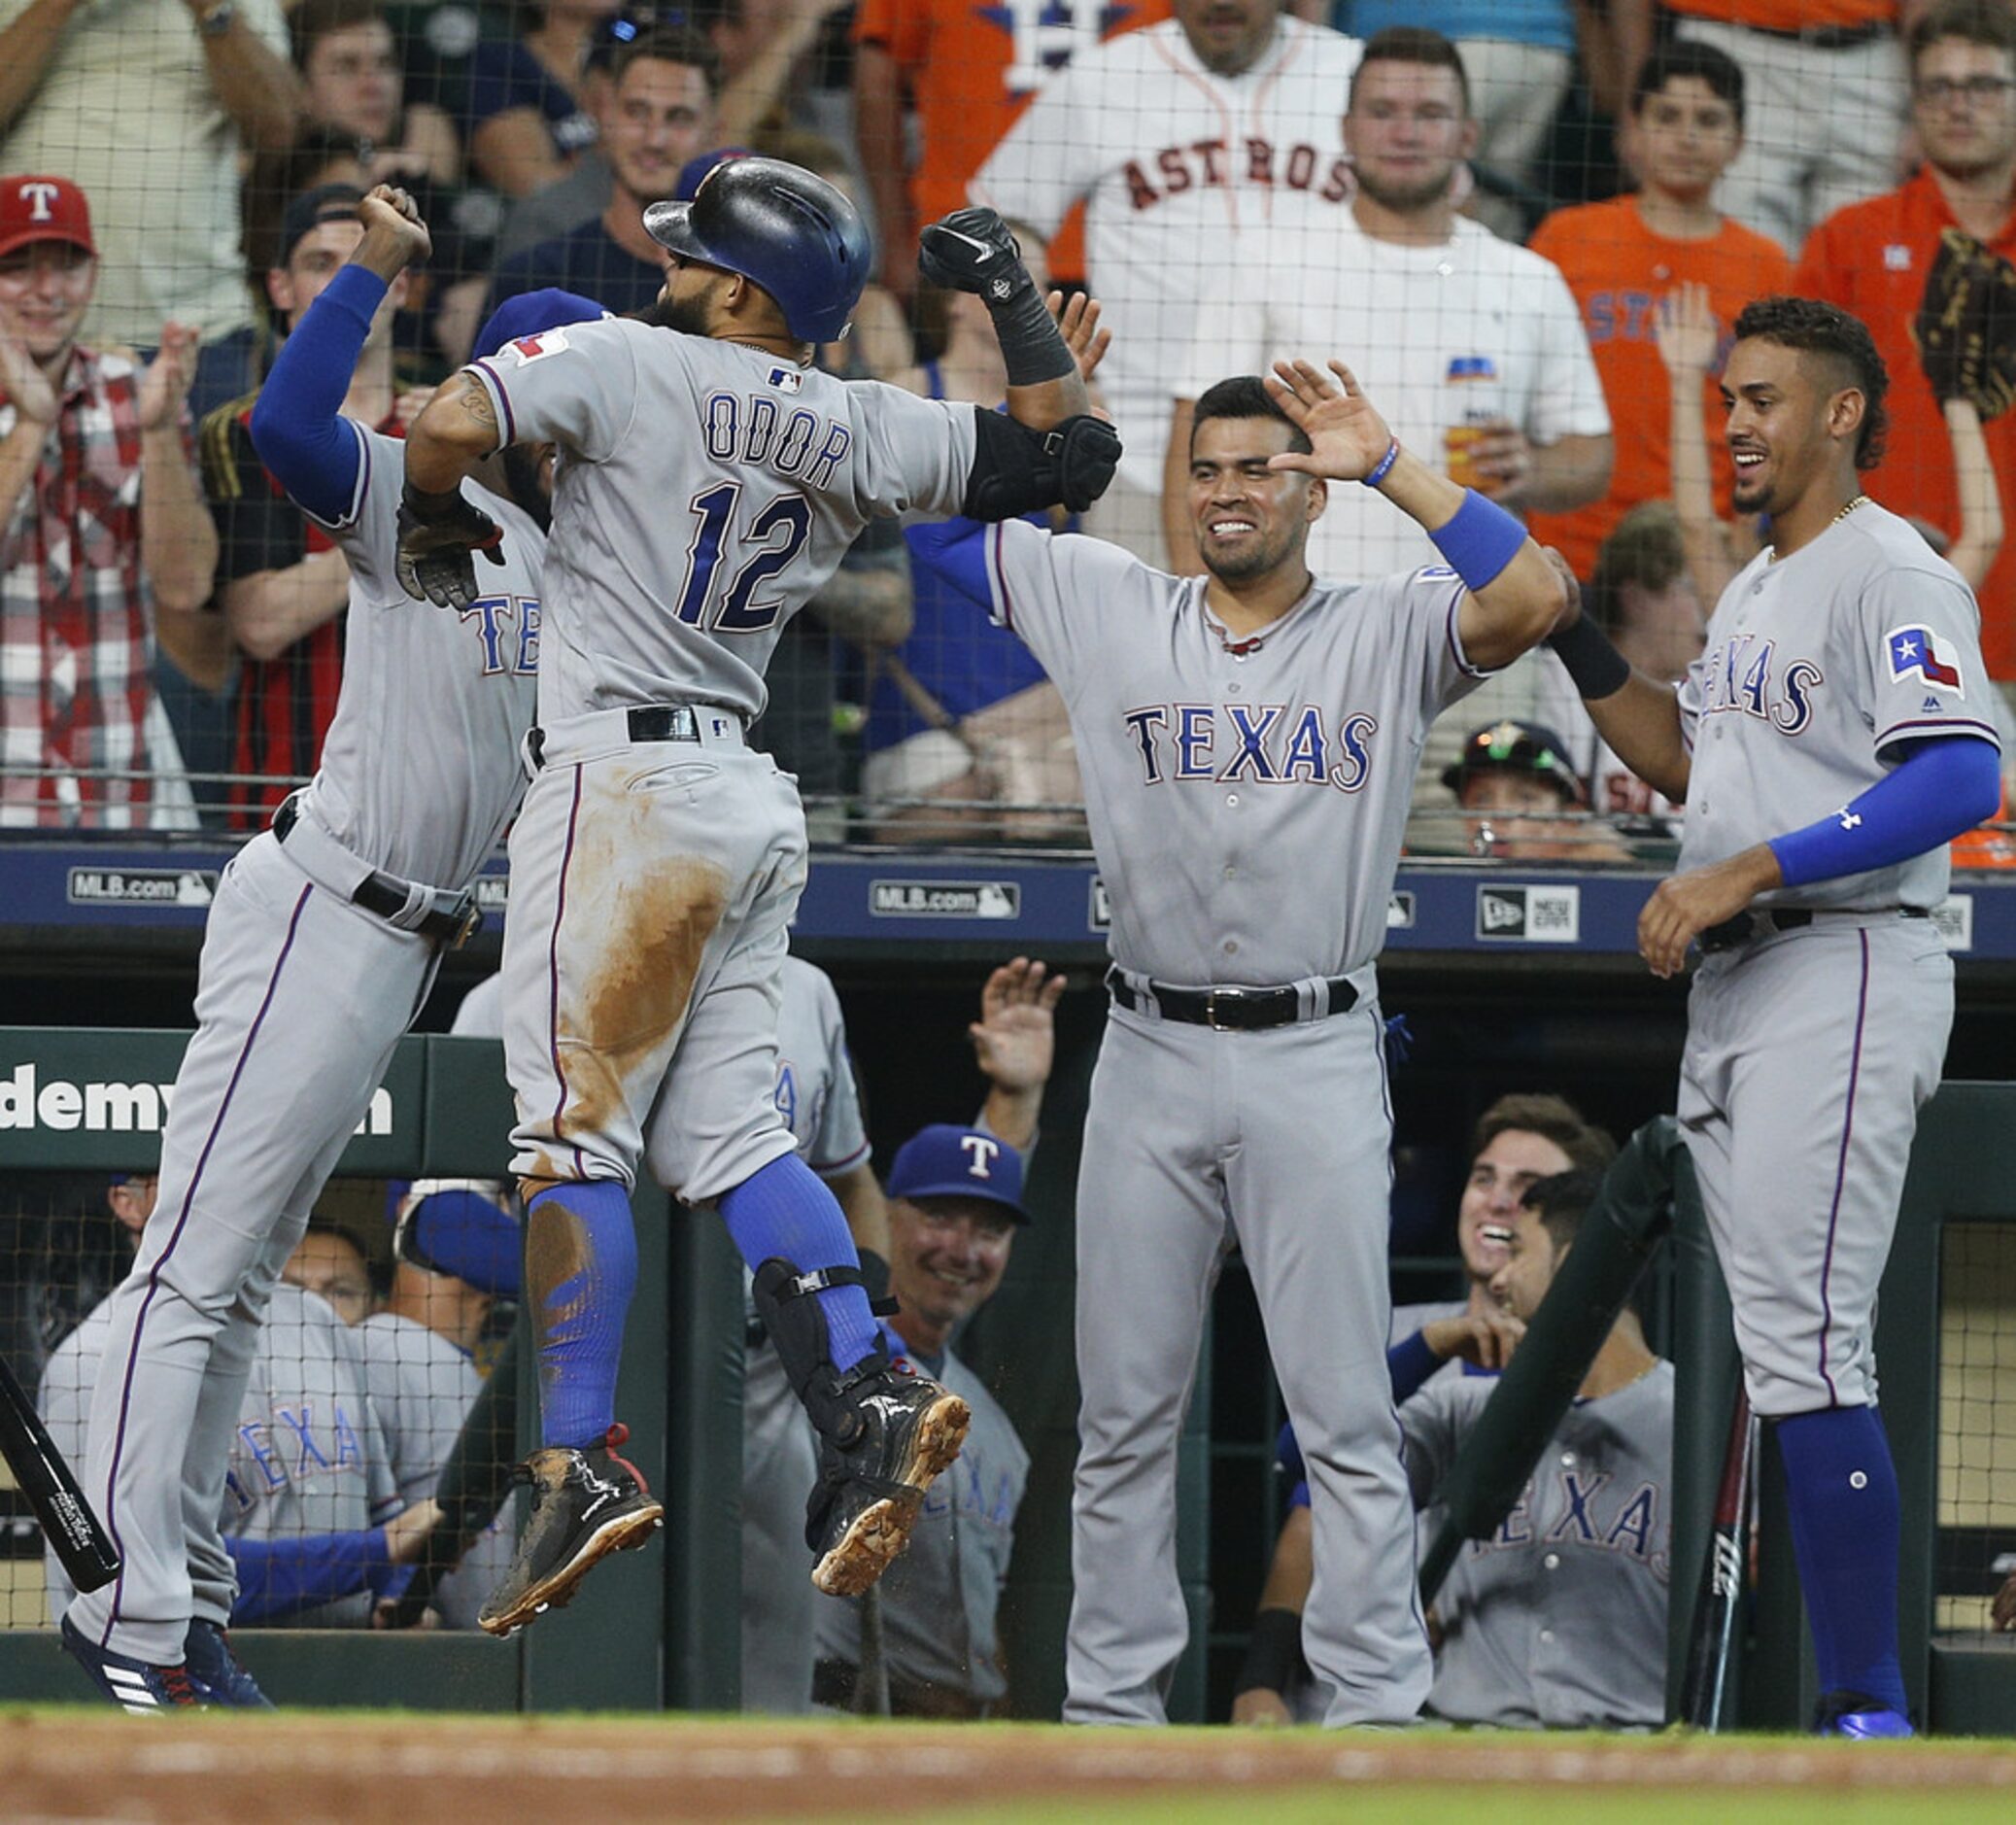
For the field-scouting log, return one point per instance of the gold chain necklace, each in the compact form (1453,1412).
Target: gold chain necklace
(1860,501)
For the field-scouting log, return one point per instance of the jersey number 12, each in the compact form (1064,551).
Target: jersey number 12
(778,533)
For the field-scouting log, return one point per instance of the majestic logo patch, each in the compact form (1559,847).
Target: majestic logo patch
(1916,650)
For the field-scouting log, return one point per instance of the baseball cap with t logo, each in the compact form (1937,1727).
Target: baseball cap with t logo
(43,209)
(946,1161)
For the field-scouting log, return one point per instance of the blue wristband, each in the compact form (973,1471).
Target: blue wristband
(1385,463)
(1480,540)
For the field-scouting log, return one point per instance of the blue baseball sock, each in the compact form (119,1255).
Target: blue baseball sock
(583,1233)
(1846,1527)
(784,1210)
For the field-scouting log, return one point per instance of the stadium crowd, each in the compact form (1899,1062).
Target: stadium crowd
(1531,225)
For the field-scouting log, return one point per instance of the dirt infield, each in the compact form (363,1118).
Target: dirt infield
(365,1768)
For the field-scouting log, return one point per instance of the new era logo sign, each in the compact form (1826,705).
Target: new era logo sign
(1532,915)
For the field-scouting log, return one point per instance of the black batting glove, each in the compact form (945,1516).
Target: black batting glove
(438,535)
(971,249)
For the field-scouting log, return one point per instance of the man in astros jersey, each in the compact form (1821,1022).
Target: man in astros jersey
(1829,742)
(1247,741)
(709,481)
(320,949)
(1181,140)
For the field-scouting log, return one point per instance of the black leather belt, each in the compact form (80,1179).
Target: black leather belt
(648,722)
(1228,1010)
(1745,927)
(452,918)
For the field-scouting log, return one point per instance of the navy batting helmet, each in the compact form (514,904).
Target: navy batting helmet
(777,224)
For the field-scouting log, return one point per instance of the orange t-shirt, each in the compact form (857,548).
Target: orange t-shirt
(972,69)
(1619,272)
(1872,259)
(1787,16)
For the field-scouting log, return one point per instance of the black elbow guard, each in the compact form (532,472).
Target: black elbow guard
(1016,471)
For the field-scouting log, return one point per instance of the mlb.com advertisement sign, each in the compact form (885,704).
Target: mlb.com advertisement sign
(87,1098)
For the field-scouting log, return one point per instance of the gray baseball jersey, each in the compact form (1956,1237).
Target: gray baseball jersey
(1219,775)
(422,1388)
(661,593)
(306,1454)
(1815,670)
(1247,800)
(420,769)
(1810,1050)
(942,1598)
(1559,1618)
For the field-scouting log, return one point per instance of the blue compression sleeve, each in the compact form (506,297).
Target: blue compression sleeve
(279,1576)
(578,1317)
(1410,1363)
(1943,786)
(955,551)
(311,451)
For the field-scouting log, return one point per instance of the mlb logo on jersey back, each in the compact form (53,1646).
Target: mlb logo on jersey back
(1914,650)
(788,379)
(529,348)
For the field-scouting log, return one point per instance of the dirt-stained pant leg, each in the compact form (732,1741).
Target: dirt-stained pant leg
(1151,1233)
(639,876)
(275,1080)
(1309,1186)
(1807,1060)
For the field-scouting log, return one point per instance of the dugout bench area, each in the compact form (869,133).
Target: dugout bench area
(1506,984)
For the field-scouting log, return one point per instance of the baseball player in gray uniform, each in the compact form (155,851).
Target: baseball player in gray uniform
(309,1482)
(421,1379)
(1559,1618)
(1237,732)
(361,881)
(1829,741)
(709,481)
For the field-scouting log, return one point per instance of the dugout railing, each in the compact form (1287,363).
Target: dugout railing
(651,1630)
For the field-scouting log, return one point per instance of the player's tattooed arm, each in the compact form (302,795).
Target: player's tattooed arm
(456,431)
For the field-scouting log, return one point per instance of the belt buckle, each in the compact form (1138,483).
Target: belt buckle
(467,922)
(1233,997)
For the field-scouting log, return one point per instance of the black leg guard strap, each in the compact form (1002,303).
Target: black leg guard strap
(797,1326)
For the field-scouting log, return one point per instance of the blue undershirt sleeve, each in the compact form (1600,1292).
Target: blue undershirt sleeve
(954,550)
(1410,1363)
(296,428)
(277,1577)
(1942,787)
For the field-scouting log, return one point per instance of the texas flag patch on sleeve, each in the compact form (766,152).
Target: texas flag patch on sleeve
(1915,651)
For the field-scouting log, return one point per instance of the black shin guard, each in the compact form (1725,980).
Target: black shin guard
(786,1302)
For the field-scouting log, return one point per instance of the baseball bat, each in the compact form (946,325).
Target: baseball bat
(1712,1641)
(75,1534)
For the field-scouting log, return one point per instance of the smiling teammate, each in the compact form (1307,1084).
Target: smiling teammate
(1829,743)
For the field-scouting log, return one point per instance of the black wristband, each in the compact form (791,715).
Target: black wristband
(1273,1656)
(1597,667)
(1032,348)
(430,508)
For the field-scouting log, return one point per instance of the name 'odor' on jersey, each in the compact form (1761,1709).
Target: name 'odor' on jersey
(706,491)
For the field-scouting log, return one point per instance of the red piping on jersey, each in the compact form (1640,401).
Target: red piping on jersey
(1224,120)
(1826,1305)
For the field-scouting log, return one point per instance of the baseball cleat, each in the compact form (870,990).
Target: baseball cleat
(1855,1714)
(871,1493)
(586,1504)
(134,1685)
(218,1674)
